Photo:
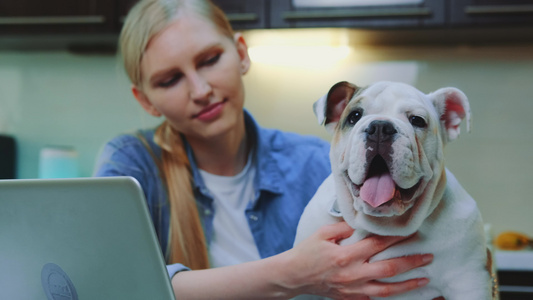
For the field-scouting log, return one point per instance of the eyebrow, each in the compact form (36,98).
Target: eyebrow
(171,70)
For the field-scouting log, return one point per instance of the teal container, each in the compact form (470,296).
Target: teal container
(58,162)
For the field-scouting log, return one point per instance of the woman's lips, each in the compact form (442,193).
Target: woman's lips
(210,112)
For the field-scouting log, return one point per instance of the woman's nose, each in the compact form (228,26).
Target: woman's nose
(199,88)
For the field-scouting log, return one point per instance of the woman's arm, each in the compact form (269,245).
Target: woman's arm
(316,266)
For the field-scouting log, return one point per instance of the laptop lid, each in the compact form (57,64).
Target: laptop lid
(81,238)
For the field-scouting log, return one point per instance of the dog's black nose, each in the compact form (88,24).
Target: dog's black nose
(380,131)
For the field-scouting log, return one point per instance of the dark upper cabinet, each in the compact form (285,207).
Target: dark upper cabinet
(56,16)
(123,7)
(428,13)
(242,14)
(245,14)
(491,12)
(80,17)
(102,16)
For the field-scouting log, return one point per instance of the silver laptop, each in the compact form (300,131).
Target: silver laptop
(82,238)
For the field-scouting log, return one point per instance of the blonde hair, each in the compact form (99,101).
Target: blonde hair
(187,244)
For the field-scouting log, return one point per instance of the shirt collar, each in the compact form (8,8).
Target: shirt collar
(268,177)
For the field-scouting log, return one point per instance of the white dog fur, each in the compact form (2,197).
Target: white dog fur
(395,128)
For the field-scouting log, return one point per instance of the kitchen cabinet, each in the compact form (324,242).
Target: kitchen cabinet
(515,274)
(99,21)
(491,12)
(8,156)
(27,17)
(245,14)
(123,7)
(242,14)
(429,13)
(56,16)
(515,285)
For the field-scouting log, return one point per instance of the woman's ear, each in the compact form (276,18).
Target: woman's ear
(144,101)
(242,49)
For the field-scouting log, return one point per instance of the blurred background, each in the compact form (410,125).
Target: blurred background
(63,92)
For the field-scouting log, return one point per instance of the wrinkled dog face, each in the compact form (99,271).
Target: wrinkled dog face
(379,148)
(387,143)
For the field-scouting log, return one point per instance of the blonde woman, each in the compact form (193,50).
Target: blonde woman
(225,195)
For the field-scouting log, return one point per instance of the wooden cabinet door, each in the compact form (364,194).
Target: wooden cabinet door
(123,7)
(428,13)
(491,12)
(244,14)
(56,16)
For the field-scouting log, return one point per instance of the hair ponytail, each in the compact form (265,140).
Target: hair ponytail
(187,244)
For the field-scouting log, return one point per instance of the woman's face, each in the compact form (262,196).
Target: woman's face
(191,75)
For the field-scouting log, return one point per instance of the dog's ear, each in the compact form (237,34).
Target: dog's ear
(453,107)
(328,108)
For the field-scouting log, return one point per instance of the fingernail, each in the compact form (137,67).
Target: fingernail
(423,281)
(427,258)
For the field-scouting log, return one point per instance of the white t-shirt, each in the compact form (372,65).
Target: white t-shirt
(232,241)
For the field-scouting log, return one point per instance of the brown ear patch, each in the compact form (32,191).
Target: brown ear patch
(338,97)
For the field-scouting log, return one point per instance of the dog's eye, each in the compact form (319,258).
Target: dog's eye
(418,121)
(354,117)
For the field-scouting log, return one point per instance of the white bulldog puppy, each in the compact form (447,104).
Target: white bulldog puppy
(388,178)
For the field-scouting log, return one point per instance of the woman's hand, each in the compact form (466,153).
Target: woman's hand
(320,266)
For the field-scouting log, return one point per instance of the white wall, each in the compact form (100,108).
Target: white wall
(63,99)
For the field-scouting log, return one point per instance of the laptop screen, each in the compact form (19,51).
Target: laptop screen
(82,238)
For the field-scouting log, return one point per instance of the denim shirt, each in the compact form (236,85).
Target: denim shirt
(289,169)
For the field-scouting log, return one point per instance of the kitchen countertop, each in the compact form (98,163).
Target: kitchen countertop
(514,260)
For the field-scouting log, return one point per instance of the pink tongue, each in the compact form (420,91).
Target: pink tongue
(378,189)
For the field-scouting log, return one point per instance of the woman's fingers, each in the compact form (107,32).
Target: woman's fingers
(375,244)
(365,249)
(380,289)
(335,232)
(394,266)
(347,270)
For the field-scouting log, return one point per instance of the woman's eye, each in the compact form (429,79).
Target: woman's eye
(170,81)
(354,117)
(211,60)
(418,121)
